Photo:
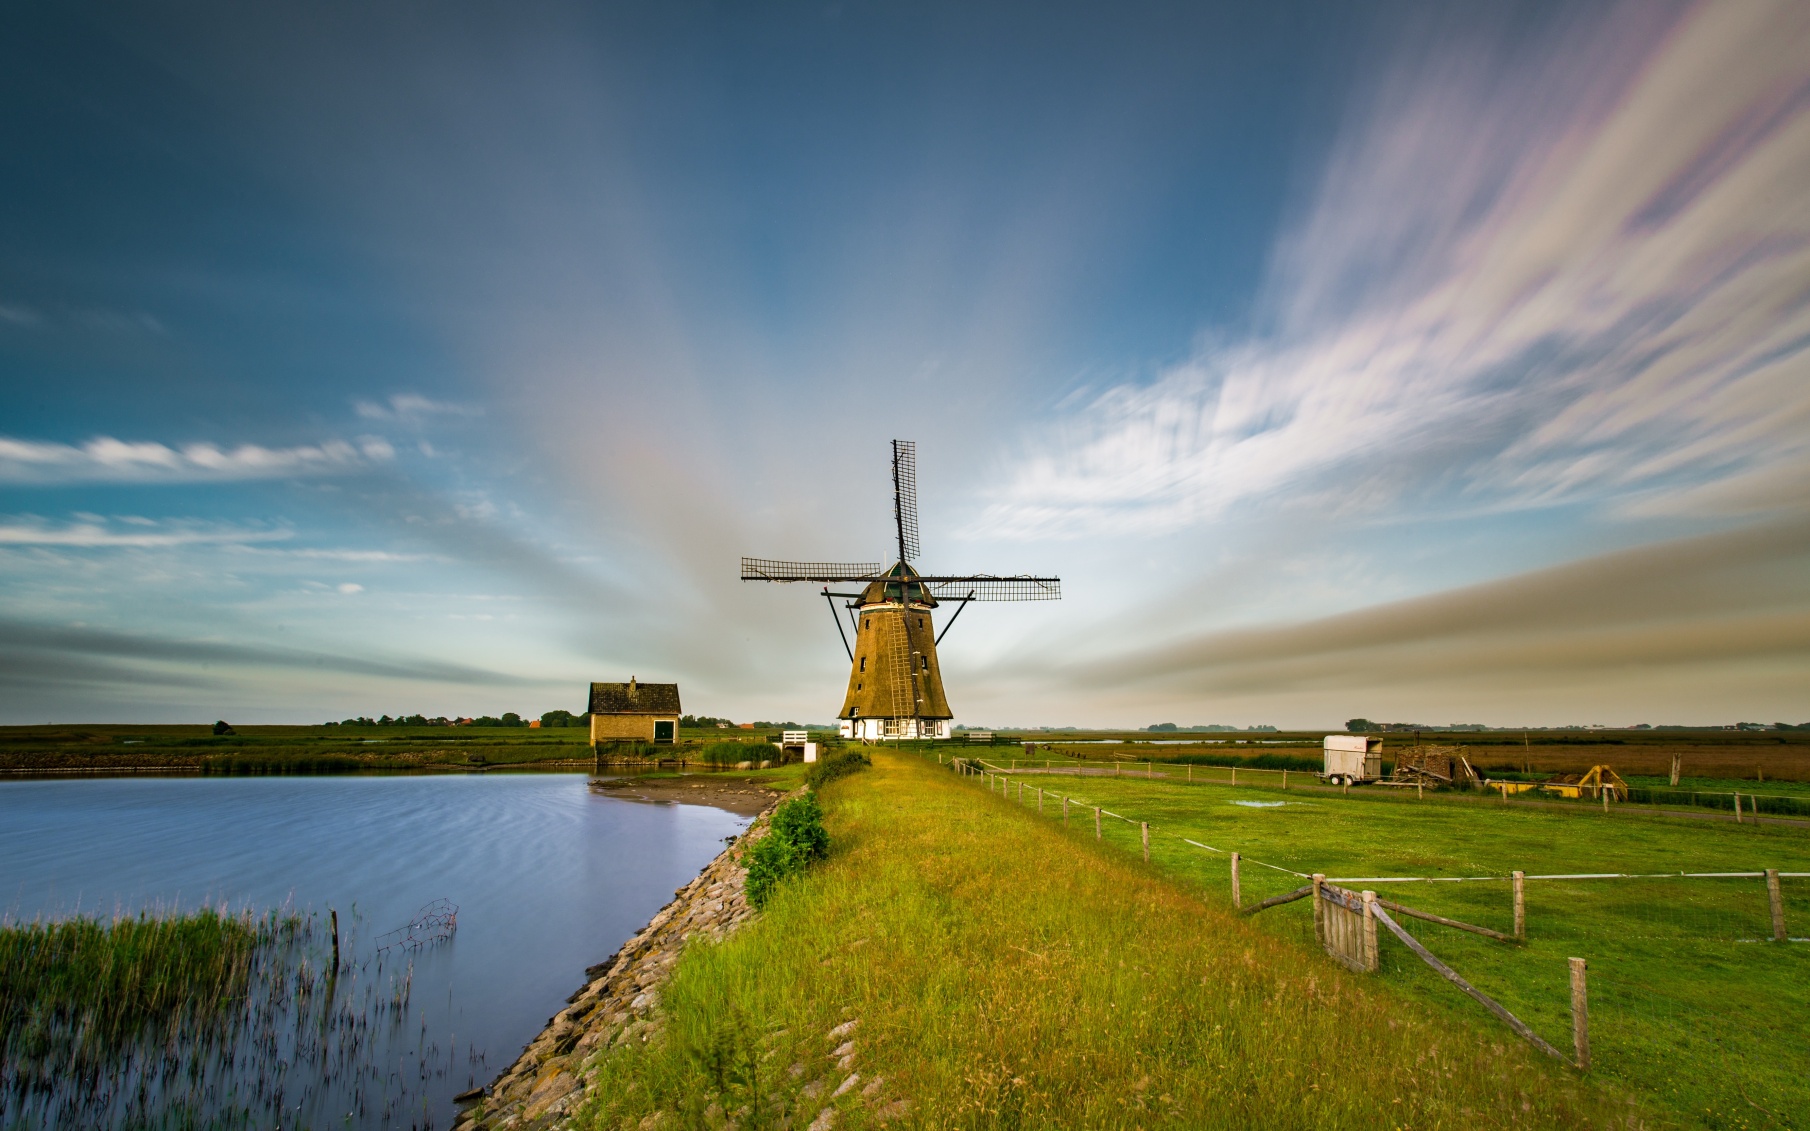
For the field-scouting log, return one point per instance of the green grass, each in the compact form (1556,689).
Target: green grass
(1006,974)
(1672,982)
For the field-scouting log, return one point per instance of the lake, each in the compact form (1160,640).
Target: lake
(548,877)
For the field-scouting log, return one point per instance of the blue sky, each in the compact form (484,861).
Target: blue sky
(1392,361)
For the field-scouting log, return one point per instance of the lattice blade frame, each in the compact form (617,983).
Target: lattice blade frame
(987,587)
(905,497)
(766,569)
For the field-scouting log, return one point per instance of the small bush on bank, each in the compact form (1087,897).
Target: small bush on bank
(838,765)
(729,753)
(796,839)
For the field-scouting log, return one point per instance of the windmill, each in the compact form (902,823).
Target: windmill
(895,686)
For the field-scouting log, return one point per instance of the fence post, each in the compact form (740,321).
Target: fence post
(1040,801)
(1236,900)
(1065,812)
(1115,768)
(1604,790)
(1285,779)
(1190,773)
(1778,904)
(1580,1015)
(1347,790)
(1096,822)
(1520,905)
(1234,775)
(1421,796)
(1370,958)
(1319,912)
(1145,825)
(1737,807)
(1021,791)
(1675,769)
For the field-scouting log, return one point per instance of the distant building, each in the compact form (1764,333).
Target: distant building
(634,712)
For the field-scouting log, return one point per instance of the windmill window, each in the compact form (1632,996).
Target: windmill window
(925,660)
(864,663)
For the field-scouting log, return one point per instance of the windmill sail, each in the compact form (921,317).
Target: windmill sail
(905,497)
(766,569)
(986,587)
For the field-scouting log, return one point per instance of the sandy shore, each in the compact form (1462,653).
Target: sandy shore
(737,795)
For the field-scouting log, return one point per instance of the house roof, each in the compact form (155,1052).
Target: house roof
(634,698)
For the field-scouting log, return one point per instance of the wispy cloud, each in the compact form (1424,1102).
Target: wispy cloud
(145,653)
(1516,285)
(411,407)
(94,532)
(1742,598)
(105,459)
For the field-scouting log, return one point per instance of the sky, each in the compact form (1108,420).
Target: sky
(1443,363)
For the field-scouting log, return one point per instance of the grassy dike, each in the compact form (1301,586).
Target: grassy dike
(1002,973)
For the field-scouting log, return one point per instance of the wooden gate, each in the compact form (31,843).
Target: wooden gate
(1345,924)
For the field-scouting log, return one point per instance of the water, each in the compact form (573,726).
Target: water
(548,876)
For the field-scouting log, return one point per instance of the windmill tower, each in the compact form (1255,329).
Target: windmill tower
(895,685)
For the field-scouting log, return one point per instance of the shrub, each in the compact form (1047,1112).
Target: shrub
(795,839)
(729,753)
(828,769)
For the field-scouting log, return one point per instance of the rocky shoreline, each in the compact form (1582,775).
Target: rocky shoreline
(547,1083)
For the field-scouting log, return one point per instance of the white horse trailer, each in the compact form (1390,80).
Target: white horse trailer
(1352,759)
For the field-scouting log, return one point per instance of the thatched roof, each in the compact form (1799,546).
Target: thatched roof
(634,698)
(874,689)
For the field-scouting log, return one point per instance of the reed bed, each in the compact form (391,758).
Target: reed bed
(167,1020)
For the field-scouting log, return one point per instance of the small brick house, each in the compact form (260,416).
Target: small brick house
(634,712)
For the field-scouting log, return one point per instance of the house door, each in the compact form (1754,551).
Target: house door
(662,730)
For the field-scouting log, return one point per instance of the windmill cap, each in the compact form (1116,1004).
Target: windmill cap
(898,591)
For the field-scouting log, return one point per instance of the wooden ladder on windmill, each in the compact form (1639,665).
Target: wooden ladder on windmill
(901,680)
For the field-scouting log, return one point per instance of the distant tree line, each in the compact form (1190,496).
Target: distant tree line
(507,719)
(1166,728)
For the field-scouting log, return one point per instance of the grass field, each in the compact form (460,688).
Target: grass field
(305,749)
(1002,973)
(1747,756)
(1690,1008)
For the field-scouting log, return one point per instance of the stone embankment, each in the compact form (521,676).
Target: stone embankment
(547,1083)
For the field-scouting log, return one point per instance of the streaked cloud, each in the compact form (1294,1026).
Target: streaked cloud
(94,532)
(145,655)
(1516,286)
(1741,598)
(108,460)
(411,407)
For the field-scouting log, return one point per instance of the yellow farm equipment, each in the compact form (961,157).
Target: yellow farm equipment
(1592,783)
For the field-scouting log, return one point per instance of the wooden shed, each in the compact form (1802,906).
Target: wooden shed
(634,712)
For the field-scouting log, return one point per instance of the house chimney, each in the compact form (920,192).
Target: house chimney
(631,688)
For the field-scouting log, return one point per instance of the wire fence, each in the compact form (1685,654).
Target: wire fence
(1681,965)
(1742,803)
